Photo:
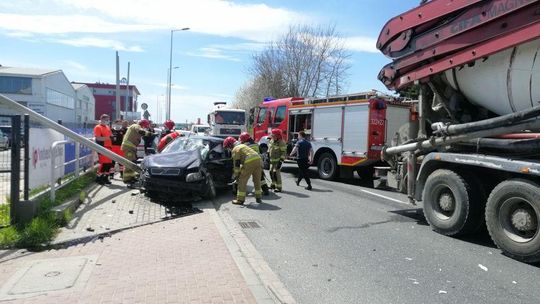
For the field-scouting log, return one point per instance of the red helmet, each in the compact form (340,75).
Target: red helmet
(229,142)
(244,137)
(145,123)
(169,124)
(276,133)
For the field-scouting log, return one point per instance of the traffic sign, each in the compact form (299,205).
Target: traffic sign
(144,106)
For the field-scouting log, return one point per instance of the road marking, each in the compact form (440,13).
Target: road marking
(384,196)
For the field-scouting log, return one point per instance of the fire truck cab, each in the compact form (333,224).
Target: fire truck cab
(271,114)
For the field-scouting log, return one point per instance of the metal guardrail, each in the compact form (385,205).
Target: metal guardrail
(76,160)
(68,133)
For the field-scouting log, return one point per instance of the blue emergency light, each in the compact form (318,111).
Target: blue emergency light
(267,99)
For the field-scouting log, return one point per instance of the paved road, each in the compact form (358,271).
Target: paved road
(342,243)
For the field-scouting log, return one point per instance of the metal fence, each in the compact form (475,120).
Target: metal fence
(14,159)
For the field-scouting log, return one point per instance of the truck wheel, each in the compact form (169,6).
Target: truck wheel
(512,216)
(210,188)
(451,205)
(327,166)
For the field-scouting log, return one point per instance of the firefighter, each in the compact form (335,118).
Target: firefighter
(132,139)
(169,128)
(167,139)
(102,133)
(246,139)
(278,152)
(246,163)
(118,130)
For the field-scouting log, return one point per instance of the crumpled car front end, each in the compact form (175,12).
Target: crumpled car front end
(174,176)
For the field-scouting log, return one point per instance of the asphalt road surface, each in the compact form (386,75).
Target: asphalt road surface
(343,243)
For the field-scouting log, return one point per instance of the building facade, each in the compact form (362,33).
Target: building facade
(85,105)
(105,99)
(47,92)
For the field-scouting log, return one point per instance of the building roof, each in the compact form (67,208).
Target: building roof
(77,86)
(17,71)
(99,85)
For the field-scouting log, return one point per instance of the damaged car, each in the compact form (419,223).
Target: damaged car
(187,168)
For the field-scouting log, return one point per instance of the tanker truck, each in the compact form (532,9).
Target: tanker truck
(472,158)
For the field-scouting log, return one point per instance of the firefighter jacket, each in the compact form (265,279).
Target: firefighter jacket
(278,151)
(133,136)
(241,155)
(253,145)
(166,140)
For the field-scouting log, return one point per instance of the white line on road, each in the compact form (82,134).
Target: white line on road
(386,197)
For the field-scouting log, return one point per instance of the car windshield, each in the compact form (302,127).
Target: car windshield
(187,144)
(230,118)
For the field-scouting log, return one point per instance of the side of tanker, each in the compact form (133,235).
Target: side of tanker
(475,161)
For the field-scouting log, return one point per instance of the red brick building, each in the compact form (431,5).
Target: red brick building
(105,95)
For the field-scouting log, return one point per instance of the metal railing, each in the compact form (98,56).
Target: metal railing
(76,161)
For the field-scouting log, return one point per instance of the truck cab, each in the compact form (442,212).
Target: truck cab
(224,122)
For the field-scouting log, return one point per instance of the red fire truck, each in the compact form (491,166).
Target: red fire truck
(347,132)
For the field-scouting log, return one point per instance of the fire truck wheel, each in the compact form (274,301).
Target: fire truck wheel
(512,217)
(327,166)
(450,203)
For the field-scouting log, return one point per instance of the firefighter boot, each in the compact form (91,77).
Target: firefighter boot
(265,189)
(237,202)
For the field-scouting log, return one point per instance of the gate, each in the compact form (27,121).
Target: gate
(14,159)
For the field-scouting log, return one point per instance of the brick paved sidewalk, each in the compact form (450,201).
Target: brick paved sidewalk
(183,260)
(110,208)
(146,259)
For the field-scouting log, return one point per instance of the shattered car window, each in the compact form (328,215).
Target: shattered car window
(188,144)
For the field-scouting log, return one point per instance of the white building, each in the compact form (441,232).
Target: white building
(47,92)
(85,104)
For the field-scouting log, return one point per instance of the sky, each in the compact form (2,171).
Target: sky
(211,60)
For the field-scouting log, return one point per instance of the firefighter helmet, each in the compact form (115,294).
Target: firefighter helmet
(244,137)
(169,124)
(145,123)
(276,133)
(229,142)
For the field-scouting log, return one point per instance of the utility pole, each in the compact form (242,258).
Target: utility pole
(127,94)
(117,92)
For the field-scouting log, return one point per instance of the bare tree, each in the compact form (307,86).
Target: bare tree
(305,62)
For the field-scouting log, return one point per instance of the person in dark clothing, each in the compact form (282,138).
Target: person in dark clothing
(305,158)
(149,139)
(118,129)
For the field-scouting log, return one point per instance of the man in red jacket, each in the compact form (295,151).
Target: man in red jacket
(102,133)
(167,139)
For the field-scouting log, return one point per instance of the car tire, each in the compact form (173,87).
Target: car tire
(210,192)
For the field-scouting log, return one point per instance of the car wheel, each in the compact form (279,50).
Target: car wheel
(210,192)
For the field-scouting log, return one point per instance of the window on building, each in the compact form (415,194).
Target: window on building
(60,99)
(15,85)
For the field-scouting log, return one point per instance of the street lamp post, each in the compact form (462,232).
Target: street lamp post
(168,112)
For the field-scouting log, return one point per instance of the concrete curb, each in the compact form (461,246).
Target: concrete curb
(262,281)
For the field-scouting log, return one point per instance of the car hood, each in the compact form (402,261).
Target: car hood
(181,160)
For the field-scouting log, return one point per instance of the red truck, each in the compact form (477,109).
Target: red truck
(347,132)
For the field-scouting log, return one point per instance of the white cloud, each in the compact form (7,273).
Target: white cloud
(212,53)
(63,24)
(75,65)
(361,44)
(256,22)
(100,43)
